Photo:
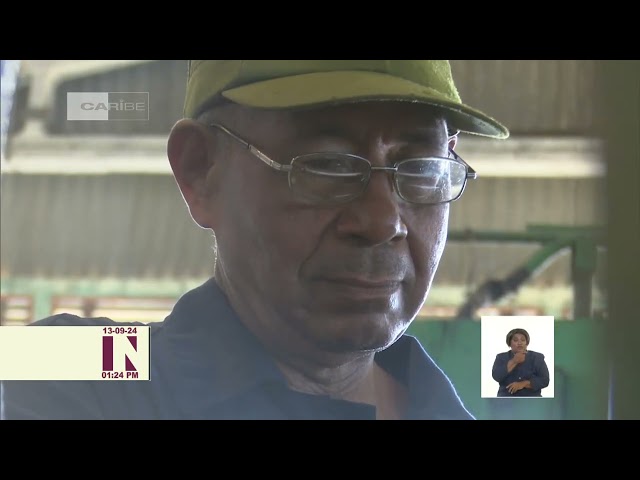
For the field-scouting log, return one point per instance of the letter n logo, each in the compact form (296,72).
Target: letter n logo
(127,347)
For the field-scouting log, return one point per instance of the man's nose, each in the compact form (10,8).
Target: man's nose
(375,216)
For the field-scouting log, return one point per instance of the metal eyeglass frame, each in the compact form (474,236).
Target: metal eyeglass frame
(471,173)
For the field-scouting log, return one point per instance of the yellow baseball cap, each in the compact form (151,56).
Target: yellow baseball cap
(278,84)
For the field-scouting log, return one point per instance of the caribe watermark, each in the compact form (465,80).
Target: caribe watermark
(106,106)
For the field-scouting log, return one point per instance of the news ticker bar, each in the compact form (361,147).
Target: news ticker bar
(111,352)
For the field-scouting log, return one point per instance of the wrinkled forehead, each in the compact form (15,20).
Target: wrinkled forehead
(401,121)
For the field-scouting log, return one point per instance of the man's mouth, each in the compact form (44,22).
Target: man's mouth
(362,288)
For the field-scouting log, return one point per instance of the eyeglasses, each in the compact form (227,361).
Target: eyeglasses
(329,178)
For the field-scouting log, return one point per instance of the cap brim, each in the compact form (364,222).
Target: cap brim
(332,88)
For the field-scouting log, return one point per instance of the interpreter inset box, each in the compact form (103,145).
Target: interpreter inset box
(517,356)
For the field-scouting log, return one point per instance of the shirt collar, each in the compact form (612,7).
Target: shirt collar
(203,338)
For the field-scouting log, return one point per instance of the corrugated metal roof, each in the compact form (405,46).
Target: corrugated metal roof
(137,226)
(539,97)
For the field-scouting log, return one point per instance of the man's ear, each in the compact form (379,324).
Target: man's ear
(191,155)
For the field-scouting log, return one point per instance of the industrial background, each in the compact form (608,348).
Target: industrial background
(93,223)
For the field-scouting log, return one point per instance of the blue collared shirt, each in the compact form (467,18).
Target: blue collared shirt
(206,365)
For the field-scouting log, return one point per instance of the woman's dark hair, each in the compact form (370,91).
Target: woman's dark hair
(517,330)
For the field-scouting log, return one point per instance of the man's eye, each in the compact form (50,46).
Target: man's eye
(327,165)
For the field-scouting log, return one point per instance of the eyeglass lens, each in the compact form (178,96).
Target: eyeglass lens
(336,178)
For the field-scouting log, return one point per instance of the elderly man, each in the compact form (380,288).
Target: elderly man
(327,184)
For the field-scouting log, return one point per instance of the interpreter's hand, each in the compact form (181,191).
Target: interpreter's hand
(515,386)
(519,357)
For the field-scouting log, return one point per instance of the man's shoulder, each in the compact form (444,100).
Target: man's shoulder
(430,386)
(68,320)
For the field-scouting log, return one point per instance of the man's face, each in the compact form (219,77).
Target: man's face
(336,279)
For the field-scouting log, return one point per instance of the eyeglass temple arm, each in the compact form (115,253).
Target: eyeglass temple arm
(471,173)
(252,149)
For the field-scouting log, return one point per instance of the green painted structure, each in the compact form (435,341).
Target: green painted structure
(580,374)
